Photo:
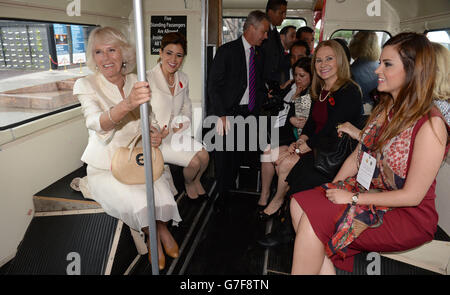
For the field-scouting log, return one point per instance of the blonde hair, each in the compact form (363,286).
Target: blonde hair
(343,69)
(364,44)
(442,84)
(109,35)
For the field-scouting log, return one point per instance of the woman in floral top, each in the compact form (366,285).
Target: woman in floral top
(407,139)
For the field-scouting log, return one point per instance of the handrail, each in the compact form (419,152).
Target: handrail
(144,108)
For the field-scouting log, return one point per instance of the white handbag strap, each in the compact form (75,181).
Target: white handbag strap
(132,143)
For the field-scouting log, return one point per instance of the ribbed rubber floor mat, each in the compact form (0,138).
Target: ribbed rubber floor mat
(61,188)
(54,244)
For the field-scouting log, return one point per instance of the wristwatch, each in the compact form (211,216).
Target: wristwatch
(355,199)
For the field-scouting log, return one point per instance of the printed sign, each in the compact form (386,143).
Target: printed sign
(62,45)
(78,48)
(163,24)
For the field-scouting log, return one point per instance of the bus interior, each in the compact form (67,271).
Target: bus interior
(46,225)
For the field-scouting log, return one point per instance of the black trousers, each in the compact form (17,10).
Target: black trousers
(242,134)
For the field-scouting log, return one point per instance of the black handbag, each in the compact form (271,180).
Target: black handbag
(328,158)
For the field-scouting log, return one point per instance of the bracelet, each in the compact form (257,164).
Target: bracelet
(109,116)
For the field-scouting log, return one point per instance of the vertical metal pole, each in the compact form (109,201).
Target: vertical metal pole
(204,36)
(144,108)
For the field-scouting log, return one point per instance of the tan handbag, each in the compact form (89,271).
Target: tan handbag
(127,164)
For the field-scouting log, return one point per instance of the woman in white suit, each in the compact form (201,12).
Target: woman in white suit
(110,99)
(173,113)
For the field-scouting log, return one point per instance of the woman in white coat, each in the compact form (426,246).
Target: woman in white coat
(173,113)
(110,99)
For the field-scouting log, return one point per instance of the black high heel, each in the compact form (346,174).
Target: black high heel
(265,217)
(260,208)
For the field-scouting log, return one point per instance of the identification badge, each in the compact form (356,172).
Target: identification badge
(282,116)
(366,170)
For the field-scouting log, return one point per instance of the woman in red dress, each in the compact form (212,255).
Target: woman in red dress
(407,139)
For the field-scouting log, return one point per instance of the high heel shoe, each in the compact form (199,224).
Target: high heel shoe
(161,260)
(161,257)
(264,216)
(260,208)
(173,252)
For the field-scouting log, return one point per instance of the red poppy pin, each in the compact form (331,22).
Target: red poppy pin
(331,101)
(181,85)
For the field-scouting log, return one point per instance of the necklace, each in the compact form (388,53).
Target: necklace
(322,100)
(173,84)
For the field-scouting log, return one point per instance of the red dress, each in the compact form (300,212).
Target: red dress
(401,228)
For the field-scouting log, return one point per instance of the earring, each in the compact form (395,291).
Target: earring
(124,64)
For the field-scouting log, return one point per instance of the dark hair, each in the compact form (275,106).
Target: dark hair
(344,45)
(303,63)
(275,4)
(303,29)
(174,38)
(302,43)
(285,29)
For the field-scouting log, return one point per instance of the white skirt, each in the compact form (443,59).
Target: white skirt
(129,202)
(179,149)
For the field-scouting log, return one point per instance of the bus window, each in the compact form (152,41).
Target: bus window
(296,22)
(233,26)
(348,34)
(39,63)
(441,37)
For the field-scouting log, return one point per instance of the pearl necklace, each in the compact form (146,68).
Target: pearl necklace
(322,100)
(173,85)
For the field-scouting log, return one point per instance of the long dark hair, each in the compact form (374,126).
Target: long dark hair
(415,98)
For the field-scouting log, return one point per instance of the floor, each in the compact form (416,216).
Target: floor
(224,242)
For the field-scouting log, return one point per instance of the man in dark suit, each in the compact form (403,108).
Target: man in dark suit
(235,88)
(272,48)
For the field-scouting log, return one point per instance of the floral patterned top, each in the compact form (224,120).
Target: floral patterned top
(392,165)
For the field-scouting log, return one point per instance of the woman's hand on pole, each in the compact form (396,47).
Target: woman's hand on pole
(140,94)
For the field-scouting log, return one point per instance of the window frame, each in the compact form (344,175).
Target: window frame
(357,30)
(54,111)
(243,17)
(436,30)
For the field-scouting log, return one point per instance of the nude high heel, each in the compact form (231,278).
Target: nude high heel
(174,251)
(161,257)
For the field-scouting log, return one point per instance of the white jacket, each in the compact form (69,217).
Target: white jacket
(96,95)
(165,107)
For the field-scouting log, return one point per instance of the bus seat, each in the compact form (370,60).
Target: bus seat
(433,256)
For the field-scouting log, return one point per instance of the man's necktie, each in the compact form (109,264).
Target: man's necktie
(251,80)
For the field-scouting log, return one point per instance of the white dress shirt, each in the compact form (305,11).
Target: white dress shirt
(247,46)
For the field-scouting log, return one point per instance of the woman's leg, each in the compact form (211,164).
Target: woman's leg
(193,172)
(161,256)
(190,172)
(166,238)
(309,252)
(283,170)
(296,213)
(267,173)
(327,267)
(203,157)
